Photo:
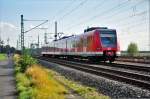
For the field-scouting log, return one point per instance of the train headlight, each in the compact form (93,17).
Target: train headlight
(118,53)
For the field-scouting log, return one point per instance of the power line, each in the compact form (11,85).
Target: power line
(95,16)
(61,10)
(129,17)
(72,10)
(36,26)
(64,8)
(123,12)
(135,25)
(32,20)
(91,10)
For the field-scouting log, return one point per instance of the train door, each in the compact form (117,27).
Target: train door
(66,46)
(84,43)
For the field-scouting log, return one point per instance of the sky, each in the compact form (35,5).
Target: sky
(130,18)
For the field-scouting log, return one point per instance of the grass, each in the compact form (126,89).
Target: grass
(38,82)
(85,91)
(35,82)
(2,57)
(46,87)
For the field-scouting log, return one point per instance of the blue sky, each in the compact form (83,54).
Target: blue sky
(128,17)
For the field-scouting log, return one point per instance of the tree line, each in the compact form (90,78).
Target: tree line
(6,48)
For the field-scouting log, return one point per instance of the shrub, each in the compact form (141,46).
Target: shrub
(23,81)
(16,58)
(132,49)
(46,87)
(23,86)
(26,61)
(34,82)
(27,94)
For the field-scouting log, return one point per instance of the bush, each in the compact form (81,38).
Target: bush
(22,82)
(132,49)
(23,62)
(44,85)
(16,58)
(23,86)
(26,61)
(27,94)
(34,82)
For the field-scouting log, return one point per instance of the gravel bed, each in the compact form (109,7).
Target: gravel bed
(108,87)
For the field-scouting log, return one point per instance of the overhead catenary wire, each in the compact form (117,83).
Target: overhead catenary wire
(60,11)
(95,16)
(32,20)
(36,26)
(125,18)
(73,9)
(63,9)
(91,10)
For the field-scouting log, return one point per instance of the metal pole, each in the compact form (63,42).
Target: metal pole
(22,35)
(55,30)
(149,23)
(17,44)
(8,41)
(45,38)
(38,41)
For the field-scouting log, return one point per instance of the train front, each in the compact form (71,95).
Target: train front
(109,44)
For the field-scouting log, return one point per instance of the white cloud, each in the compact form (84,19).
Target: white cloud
(9,30)
(7,25)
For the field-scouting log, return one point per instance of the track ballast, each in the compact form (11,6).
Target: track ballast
(105,70)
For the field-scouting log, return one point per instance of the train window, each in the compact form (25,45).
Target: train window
(108,38)
(85,41)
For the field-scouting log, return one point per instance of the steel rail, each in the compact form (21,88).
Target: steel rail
(128,66)
(139,80)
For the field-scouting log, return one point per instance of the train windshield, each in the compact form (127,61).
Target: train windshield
(108,38)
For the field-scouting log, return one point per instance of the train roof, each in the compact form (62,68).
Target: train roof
(86,30)
(97,28)
(94,28)
(64,37)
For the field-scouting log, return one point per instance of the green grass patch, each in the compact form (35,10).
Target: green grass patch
(34,82)
(2,57)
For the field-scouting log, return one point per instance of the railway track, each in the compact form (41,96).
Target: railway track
(134,66)
(115,73)
(128,66)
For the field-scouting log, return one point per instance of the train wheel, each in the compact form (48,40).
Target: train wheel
(111,60)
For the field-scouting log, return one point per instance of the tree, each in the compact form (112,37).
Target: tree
(132,49)
(1,41)
(1,45)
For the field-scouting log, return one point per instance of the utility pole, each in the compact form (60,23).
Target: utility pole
(149,24)
(19,42)
(23,32)
(45,38)
(38,42)
(8,41)
(55,31)
(22,35)
(17,45)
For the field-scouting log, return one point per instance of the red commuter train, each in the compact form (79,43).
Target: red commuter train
(96,44)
